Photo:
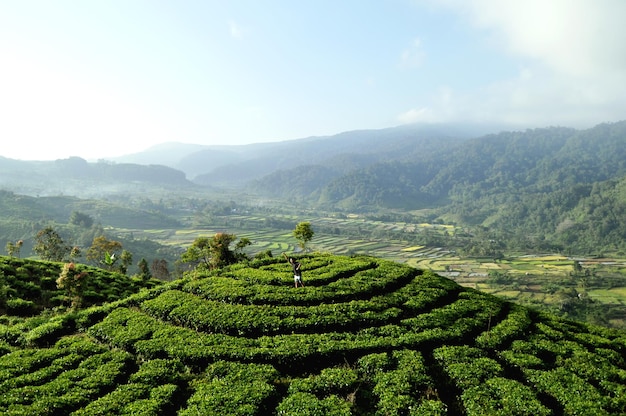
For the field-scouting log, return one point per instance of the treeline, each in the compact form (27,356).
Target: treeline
(78,223)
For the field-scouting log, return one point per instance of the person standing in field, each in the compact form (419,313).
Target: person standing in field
(297,271)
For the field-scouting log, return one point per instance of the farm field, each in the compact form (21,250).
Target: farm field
(528,279)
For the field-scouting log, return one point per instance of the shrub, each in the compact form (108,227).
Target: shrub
(502,396)
(21,307)
(307,404)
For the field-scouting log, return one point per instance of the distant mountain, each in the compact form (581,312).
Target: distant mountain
(361,147)
(423,170)
(76,176)
(236,164)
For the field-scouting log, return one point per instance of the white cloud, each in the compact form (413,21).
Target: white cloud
(572,59)
(575,37)
(415,115)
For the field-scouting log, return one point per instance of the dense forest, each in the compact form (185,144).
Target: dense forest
(552,188)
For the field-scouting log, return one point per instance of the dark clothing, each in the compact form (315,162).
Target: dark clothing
(296,269)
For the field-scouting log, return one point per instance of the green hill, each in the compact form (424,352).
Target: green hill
(28,287)
(364,337)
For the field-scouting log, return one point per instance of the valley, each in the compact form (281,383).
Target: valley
(591,289)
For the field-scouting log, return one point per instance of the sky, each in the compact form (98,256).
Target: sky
(99,79)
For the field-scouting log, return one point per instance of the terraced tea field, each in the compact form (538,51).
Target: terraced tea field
(532,278)
(365,336)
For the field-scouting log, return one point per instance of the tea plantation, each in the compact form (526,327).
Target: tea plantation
(363,337)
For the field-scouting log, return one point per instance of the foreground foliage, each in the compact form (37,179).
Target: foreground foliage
(364,337)
(28,287)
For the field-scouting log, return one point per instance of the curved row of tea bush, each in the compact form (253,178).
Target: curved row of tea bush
(382,339)
(368,279)
(185,309)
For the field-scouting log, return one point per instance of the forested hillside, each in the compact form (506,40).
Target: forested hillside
(358,148)
(363,337)
(22,217)
(552,188)
(555,188)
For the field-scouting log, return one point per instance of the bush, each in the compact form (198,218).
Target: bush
(21,307)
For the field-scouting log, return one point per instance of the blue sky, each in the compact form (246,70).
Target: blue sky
(100,79)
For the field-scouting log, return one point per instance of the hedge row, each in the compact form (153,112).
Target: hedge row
(233,389)
(559,367)
(363,284)
(514,326)
(134,399)
(188,310)
(60,379)
(401,384)
(191,311)
(152,338)
(44,331)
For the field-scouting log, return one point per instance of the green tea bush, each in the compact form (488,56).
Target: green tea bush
(307,404)
(333,380)
(232,389)
(502,396)
(21,307)
(467,366)
(403,387)
(573,393)
(513,326)
(159,371)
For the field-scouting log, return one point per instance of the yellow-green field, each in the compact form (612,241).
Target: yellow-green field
(531,279)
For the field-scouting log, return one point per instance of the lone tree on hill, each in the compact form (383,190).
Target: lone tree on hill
(71,280)
(212,253)
(14,249)
(106,253)
(303,233)
(50,246)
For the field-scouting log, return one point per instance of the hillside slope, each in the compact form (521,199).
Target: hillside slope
(364,337)
(499,165)
(77,177)
(28,287)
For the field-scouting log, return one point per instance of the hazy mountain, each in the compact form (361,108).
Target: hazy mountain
(368,146)
(236,164)
(76,176)
(421,170)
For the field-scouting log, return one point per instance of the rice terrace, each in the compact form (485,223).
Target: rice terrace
(539,280)
(366,336)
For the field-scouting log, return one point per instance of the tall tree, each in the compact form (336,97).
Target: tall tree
(144,269)
(80,219)
(127,259)
(50,246)
(303,233)
(104,252)
(72,281)
(160,269)
(14,249)
(215,252)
